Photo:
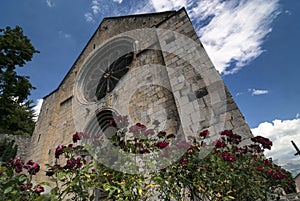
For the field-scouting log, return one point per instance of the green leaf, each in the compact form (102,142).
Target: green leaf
(45,183)
(22,178)
(92,197)
(60,175)
(55,191)
(106,187)
(8,189)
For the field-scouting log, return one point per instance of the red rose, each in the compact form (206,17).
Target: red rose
(39,189)
(227,157)
(113,123)
(18,165)
(50,172)
(162,145)
(170,136)
(59,150)
(228,133)
(70,163)
(23,187)
(183,161)
(76,137)
(141,126)
(204,133)
(231,158)
(144,151)
(220,144)
(35,168)
(78,163)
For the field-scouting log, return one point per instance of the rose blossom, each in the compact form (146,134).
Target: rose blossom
(18,165)
(161,144)
(227,157)
(39,189)
(183,161)
(76,137)
(170,136)
(59,150)
(204,133)
(220,144)
(32,167)
(161,134)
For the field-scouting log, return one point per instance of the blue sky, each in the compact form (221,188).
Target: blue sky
(253,44)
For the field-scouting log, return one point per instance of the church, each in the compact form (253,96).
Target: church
(148,67)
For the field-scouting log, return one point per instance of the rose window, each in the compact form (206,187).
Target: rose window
(113,74)
(103,70)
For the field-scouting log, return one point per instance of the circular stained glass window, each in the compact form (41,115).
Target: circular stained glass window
(102,71)
(113,74)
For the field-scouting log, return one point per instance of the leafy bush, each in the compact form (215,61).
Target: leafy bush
(15,184)
(229,170)
(8,149)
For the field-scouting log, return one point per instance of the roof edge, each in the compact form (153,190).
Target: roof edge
(139,15)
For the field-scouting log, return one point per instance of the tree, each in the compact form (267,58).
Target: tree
(16,113)
(8,149)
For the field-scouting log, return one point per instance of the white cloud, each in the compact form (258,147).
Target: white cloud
(288,12)
(50,3)
(297,115)
(37,108)
(95,7)
(89,17)
(232,31)
(282,132)
(118,1)
(239,93)
(256,92)
(95,10)
(236,31)
(64,35)
(166,5)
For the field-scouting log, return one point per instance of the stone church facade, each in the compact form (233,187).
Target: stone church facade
(149,67)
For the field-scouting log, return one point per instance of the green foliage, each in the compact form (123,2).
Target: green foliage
(16,114)
(7,149)
(229,171)
(15,184)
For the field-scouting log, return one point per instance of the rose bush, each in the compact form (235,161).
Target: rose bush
(230,171)
(16,183)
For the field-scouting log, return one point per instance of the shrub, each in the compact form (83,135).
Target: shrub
(223,170)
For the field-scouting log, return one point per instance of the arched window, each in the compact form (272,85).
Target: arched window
(102,124)
(105,118)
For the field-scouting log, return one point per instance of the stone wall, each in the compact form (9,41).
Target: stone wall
(202,98)
(22,142)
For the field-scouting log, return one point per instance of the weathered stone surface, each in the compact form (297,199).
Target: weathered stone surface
(171,79)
